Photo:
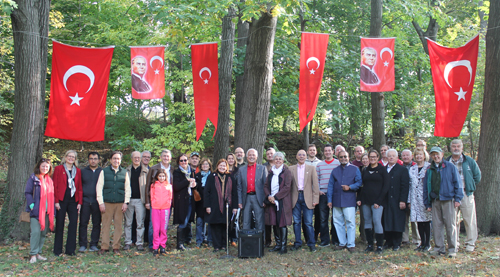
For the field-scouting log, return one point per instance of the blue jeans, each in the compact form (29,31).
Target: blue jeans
(200,226)
(342,218)
(302,211)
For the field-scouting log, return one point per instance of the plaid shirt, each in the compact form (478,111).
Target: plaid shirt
(458,165)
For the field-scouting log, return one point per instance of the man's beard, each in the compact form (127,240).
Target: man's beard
(456,153)
(344,163)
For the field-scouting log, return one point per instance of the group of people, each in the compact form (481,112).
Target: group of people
(389,192)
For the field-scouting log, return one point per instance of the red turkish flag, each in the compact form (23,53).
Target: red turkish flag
(312,65)
(147,72)
(453,74)
(78,92)
(205,67)
(377,64)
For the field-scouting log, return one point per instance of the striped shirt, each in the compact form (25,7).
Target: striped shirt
(324,171)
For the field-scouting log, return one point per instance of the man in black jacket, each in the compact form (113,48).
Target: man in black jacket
(397,198)
(90,174)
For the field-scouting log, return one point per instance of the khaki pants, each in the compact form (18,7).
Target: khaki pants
(113,213)
(444,217)
(468,210)
(414,232)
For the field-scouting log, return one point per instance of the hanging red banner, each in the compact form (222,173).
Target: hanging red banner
(148,72)
(78,90)
(377,64)
(312,65)
(453,74)
(205,70)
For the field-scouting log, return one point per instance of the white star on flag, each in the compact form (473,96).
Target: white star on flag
(461,94)
(157,72)
(75,99)
(386,64)
(205,81)
(312,71)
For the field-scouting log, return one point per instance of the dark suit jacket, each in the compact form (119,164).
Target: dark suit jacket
(140,85)
(260,180)
(368,76)
(399,186)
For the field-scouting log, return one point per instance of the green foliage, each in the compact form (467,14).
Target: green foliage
(179,136)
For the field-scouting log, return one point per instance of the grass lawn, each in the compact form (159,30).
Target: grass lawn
(14,260)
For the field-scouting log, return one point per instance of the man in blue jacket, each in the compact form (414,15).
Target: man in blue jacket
(345,180)
(470,176)
(442,195)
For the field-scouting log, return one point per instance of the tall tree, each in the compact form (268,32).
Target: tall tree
(30,28)
(488,191)
(221,143)
(377,98)
(251,121)
(241,43)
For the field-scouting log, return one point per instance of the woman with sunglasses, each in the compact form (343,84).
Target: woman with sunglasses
(68,200)
(39,195)
(371,198)
(184,205)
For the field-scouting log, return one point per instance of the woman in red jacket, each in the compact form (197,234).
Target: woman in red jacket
(68,199)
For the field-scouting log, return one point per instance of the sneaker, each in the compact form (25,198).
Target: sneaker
(395,248)
(369,248)
(41,258)
(155,252)
(162,251)
(82,249)
(437,252)
(127,247)
(140,247)
(469,248)
(379,250)
(426,248)
(452,255)
(93,248)
(324,244)
(33,260)
(312,248)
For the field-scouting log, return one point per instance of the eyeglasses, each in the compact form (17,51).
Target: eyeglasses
(182,161)
(71,157)
(342,157)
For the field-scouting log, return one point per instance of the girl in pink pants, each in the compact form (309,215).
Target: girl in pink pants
(161,201)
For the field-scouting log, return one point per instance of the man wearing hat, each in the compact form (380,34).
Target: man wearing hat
(442,195)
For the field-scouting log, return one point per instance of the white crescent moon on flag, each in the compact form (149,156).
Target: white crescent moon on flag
(312,59)
(206,69)
(79,69)
(386,49)
(452,65)
(155,58)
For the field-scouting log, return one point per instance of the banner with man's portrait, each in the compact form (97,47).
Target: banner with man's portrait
(377,64)
(147,72)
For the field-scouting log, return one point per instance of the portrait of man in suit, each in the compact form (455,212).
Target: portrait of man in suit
(368,60)
(139,67)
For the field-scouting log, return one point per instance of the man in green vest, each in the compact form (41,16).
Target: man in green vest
(113,196)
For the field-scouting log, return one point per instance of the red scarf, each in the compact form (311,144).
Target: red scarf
(46,195)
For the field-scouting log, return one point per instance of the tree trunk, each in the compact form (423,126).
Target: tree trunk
(488,191)
(251,127)
(377,98)
(221,143)
(431,32)
(241,44)
(30,25)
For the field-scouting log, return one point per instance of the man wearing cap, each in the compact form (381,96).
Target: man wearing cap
(194,160)
(442,195)
(470,176)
